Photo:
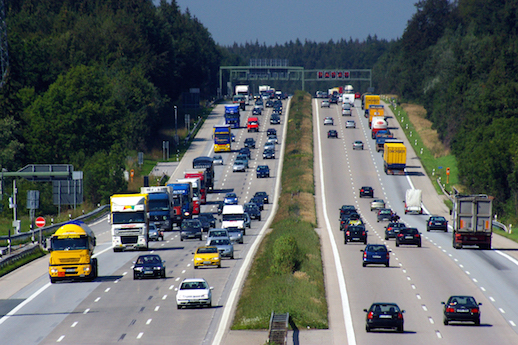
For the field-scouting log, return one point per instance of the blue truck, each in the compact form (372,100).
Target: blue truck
(185,193)
(161,206)
(381,137)
(232,116)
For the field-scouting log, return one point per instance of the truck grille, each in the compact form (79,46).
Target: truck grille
(129,239)
(69,260)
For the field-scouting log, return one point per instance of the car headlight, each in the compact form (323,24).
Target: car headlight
(198,259)
(186,214)
(157,268)
(87,269)
(204,296)
(53,270)
(138,269)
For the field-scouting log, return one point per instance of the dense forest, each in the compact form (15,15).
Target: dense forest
(458,59)
(91,80)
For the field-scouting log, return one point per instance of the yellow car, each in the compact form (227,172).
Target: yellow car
(207,256)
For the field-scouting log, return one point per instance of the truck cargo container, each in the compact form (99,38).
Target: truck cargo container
(394,158)
(367,100)
(413,201)
(195,186)
(204,162)
(184,191)
(200,174)
(472,221)
(378,124)
(222,139)
(232,116)
(375,110)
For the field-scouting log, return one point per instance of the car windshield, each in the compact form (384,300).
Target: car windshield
(384,308)
(438,219)
(217,233)
(230,195)
(462,300)
(188,224)
(207,250)
(376,248)
(148,260)
(193,286)
(385,212)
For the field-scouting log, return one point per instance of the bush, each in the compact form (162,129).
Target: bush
(285,255)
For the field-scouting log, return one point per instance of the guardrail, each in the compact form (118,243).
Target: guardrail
(25,236)
(26,251)
(502,226)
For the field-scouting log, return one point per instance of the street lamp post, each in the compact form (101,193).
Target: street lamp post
(176,125)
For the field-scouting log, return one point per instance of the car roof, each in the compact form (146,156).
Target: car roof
(190,280)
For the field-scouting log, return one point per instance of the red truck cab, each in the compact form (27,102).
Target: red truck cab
(252,124)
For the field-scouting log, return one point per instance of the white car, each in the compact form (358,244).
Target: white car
(325,104)
(195,292)
(269,145)
(328,121)
(350,124)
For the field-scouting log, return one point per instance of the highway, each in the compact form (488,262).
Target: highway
(117,309)
(418,279)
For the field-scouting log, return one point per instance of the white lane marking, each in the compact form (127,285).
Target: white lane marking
(148,321)
(512,323)
(439,335)
(424,307)
(86,311)
(74,324)
(21,305)
(140,335)
(482,288)
(501,310)
(164,297)
(351,338)
(97,299)
(157,307)
(171,287)
(107,289)
(431,320)
(60,338)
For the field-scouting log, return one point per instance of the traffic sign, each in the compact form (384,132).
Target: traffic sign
(40,222)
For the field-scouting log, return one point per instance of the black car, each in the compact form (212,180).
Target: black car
(149,265)
(275,119)
(269,104)
(259,201)
(269,154)
(245,151)
(257,111)
(263,171)
(384,214)
(392,229)
(271,131)
(207,220)
(355,233)
(408,236)
(191,228)
(250,143)
(347,209)
(332,134)
(437,223)
(333,99)
(366,191)
(461,308)
(253,211)
(385,316)
(220,206)
(263,195)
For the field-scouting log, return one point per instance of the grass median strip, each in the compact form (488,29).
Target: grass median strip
(287,274)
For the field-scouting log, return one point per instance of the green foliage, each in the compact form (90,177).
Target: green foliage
(285,255)
(459,60)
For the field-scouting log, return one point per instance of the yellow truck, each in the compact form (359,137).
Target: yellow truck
(394,157)
(369,100)
(71,250)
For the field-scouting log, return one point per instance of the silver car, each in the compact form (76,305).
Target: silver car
(358,145)
(325,104)
(236,235)
(239,166)
(225,247)
(217,233)
(268,145)
(328,121)
(217,160)
(376,204)
(350,124)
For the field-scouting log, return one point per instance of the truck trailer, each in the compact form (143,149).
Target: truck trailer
(472,221)
(71,250)
(394,158)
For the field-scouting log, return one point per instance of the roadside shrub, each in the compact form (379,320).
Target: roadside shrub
(285,255)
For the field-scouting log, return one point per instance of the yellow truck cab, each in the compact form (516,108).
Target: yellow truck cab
(71,250)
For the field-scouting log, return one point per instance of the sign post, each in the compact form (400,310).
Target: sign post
(40,223)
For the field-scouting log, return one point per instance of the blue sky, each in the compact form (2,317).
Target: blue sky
(280,21)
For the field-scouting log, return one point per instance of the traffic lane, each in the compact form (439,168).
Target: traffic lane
(360,245)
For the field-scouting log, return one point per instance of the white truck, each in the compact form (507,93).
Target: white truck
(233,217)
(413,202)
(243,90)
(129,221)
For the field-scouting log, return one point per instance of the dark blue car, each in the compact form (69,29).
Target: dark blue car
(376,254)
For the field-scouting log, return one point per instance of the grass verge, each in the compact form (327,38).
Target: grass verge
(434,157)
(287,274)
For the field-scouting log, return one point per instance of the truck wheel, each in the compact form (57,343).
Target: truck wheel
(53,280)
